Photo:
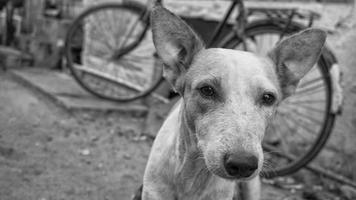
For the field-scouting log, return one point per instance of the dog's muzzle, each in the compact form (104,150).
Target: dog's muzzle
(240,165)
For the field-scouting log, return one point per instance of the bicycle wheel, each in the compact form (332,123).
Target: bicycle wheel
(303,122)
(110,53)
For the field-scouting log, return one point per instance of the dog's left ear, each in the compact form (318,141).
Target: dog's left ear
(176,44)
(295,56)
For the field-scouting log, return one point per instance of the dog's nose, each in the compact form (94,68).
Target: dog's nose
(241,165)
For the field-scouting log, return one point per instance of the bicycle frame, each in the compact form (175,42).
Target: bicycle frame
(239,26)
(221,24)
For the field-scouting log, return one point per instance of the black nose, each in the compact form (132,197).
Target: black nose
(241,165)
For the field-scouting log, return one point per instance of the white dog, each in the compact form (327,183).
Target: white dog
(212,138)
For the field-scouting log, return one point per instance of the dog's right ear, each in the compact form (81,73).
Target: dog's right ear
(176,44)
(295,56)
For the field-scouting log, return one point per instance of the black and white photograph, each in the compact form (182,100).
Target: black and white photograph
(177,99)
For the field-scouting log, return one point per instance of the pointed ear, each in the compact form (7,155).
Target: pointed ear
(176,44)
(295,56)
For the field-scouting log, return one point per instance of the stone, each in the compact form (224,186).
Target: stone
(348,191)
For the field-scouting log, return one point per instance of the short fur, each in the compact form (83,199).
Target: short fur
(190,156)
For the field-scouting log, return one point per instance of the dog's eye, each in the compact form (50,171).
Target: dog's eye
(207,91)
(268,99)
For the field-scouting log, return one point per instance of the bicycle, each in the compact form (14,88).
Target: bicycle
(11,23)
(305,120)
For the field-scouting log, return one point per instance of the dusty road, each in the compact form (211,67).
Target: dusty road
(46,153)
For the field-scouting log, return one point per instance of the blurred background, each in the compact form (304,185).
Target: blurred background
(61,138)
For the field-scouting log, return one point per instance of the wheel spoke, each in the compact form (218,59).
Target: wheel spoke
(295,132)
(112,30)
(315,91)
(309,108)
(129,32)
(95,33)
(310,82)
(311,101)
(283,138)
(316,88)
(303,125)
(109,15)
(295,111)
(99,30)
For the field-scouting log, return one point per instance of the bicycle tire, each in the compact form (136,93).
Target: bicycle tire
(128,6)
(296,163)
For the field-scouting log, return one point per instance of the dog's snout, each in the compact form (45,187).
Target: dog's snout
(241,165)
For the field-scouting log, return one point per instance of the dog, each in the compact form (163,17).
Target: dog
(210,144)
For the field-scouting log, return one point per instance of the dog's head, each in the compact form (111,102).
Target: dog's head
(229,95)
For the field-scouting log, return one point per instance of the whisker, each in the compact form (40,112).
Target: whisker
(271,152)
(267,166)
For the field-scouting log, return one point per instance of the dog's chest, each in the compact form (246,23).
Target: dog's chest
(199,187)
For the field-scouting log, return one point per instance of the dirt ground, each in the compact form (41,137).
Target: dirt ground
(46,153)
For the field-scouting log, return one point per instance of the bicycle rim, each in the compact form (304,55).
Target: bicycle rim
(294,154)
(105,54)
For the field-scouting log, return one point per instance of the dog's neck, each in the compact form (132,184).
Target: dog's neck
(191,171)
(187,145)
